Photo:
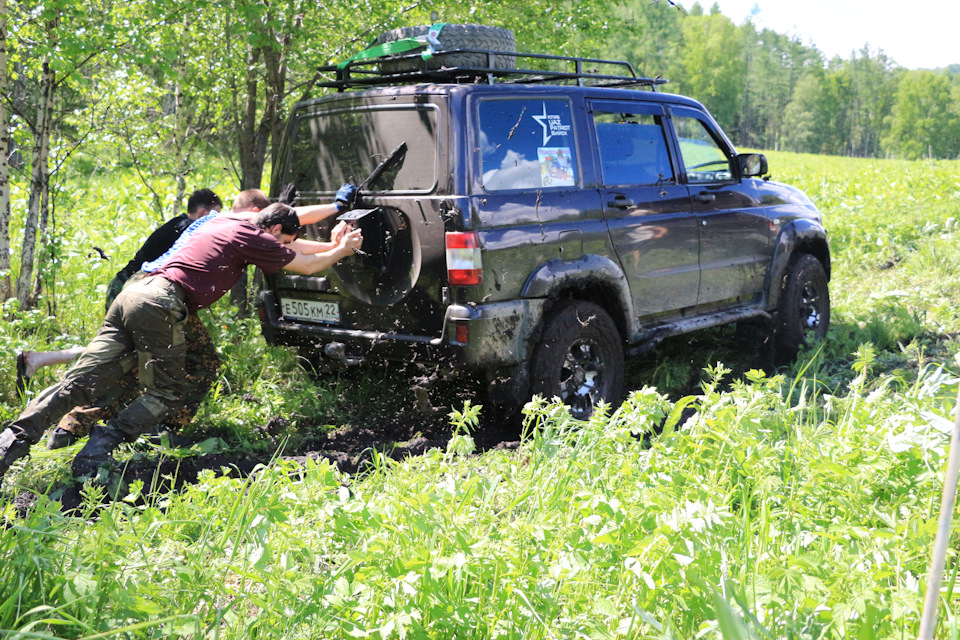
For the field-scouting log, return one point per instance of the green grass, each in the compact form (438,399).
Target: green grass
(716,502)
(810,518)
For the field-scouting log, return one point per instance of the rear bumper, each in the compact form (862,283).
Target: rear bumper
(498,335)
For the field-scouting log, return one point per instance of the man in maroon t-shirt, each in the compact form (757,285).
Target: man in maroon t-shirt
(144,327)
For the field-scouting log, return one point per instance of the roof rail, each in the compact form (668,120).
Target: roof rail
(418,68)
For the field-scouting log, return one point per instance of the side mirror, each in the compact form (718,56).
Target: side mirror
(752,164)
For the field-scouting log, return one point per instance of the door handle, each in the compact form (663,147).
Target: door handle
(620,202)
(705,197)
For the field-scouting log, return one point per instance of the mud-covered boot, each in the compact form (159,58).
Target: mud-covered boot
(96,454)
(60,438)
(12,448)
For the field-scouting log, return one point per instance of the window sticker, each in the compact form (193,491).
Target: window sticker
(552,124)
(556,166)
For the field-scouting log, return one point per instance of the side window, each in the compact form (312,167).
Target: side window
(703,159)
(633,149)
(527,144)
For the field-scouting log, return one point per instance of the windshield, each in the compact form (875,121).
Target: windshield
(333,147)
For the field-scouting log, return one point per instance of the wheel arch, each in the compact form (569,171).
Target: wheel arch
(803,314)
(590,278)
(577,357)
(796,237)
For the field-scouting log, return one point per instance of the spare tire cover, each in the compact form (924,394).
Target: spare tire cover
(455,36)
(389,266)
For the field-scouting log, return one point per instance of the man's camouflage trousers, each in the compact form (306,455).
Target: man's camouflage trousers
(202,366)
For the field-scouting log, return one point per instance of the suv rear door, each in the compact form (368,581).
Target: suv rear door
(646,208)
(529,203)
(398,274)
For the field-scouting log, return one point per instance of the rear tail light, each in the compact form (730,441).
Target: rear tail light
(464,267)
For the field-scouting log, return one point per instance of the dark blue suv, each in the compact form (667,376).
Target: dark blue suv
(528,228)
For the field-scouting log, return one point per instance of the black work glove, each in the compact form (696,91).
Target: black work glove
(347,197)
(289,194)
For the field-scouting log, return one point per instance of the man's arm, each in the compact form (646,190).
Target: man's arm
(308,264)
(301,245)
(345,200)
(308,214)
(310,247)
(316,213)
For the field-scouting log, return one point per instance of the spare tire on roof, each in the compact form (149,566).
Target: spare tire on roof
(454,36)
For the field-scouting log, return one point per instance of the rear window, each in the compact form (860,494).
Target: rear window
(333,147)
(527,144)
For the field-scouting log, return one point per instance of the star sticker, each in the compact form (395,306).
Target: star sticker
(542,120)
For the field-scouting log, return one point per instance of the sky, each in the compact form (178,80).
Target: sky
(921,35)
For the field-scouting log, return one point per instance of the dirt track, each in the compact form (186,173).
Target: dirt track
(350,449)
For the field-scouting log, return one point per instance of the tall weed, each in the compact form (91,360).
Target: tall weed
(795,505)
(808,518)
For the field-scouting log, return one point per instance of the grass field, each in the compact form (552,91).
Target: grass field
(718,501)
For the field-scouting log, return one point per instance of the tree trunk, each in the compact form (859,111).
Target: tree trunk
(5,288)
(255,138)
(270,129)
(179,143)
(181,128)
(38,184)
(251,171)
(44,259)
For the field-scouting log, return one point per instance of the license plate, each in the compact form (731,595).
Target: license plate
(310,310)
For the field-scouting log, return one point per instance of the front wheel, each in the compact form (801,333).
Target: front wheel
(804,310)
(579,358)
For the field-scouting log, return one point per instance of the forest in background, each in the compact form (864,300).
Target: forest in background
(166,88)
(770,91)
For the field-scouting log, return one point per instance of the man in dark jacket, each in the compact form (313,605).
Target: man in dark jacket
(200,203)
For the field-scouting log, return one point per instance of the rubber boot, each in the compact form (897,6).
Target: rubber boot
(12,448)
(60,438)
(96,453)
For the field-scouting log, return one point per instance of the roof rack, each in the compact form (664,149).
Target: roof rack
(375,72)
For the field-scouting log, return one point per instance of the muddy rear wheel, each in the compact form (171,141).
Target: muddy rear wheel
(579,358)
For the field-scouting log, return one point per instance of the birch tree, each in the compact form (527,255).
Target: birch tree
(54,42)
(39,172)
(54,45)
(5,288)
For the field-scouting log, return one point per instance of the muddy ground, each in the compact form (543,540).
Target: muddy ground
(349,448)
(397,435)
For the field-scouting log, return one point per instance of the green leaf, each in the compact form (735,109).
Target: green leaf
(730,625)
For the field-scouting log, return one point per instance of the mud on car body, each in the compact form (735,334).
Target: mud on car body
(531,228)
